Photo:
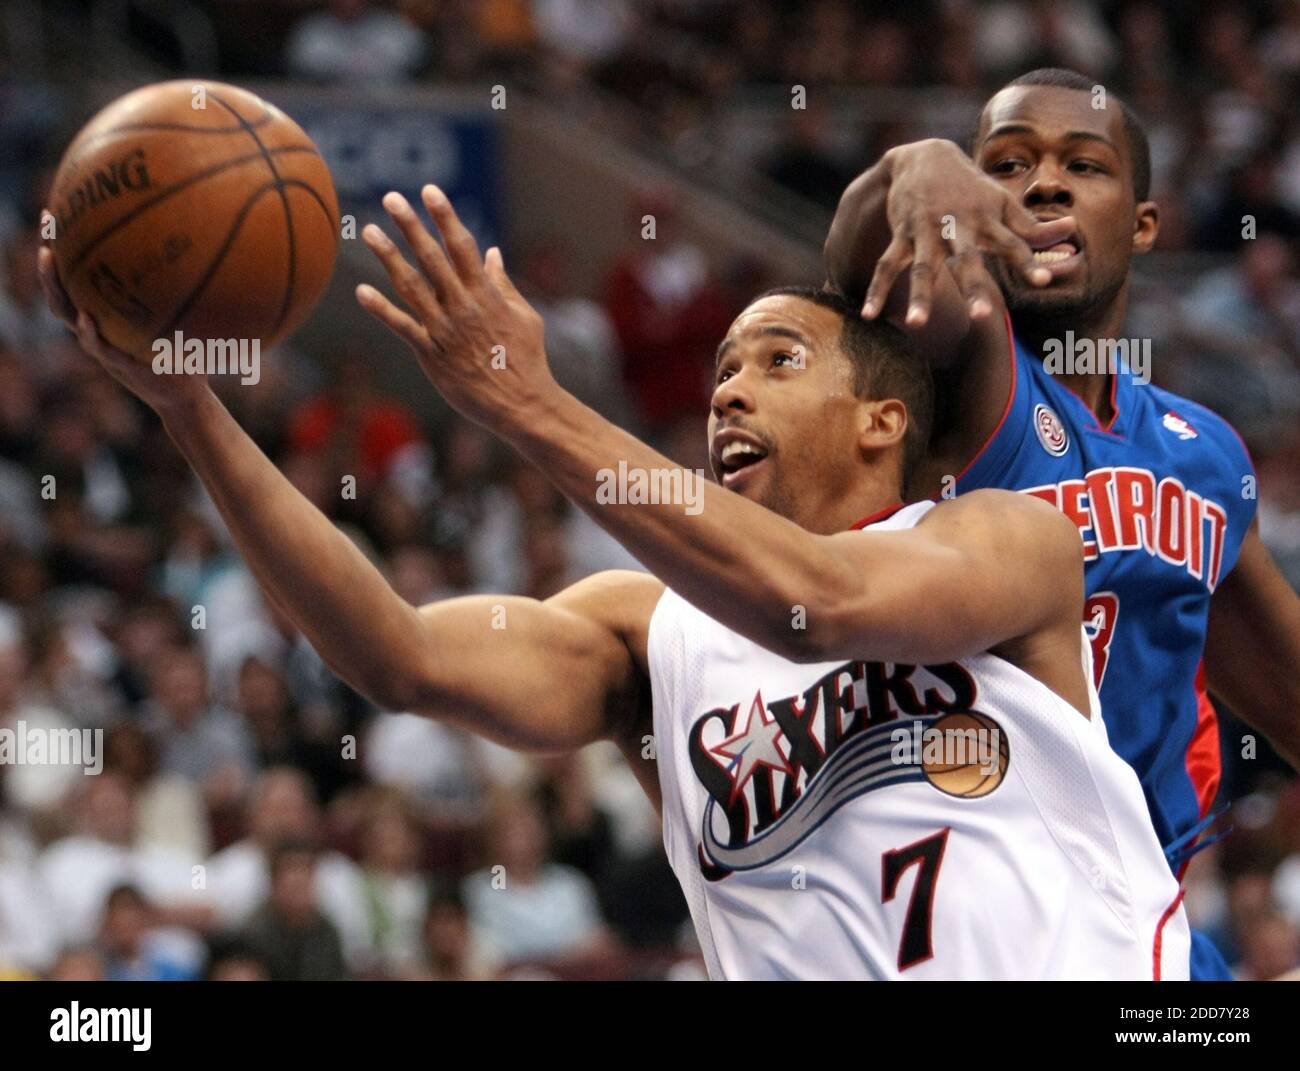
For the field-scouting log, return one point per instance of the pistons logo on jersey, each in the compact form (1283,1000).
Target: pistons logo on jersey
(1051,432)
(776,769)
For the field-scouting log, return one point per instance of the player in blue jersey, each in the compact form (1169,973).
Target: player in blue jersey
(1011,269)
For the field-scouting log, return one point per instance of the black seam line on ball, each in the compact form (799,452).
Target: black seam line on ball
(284,202)
(171,191)
(146,128)
(215,262)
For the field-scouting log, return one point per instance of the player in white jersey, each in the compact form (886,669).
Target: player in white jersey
(853,819)
(805,685)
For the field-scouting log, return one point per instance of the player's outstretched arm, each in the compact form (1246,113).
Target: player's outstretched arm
(985,570)
(552,675)
(993,569)
(1252,649)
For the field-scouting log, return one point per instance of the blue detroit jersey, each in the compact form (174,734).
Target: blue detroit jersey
(1163,498)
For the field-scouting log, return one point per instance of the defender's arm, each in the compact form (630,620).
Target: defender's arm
(1252,649)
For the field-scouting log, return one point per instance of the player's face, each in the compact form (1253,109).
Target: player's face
(1064,157)
(784,416)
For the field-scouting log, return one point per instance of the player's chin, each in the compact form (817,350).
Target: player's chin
(1059,296)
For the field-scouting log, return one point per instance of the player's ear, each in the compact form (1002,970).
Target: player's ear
(884,426)
(1146,223)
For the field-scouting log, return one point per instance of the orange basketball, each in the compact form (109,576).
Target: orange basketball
(194,207)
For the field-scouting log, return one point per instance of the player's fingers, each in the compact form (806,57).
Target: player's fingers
(890,265)
(1037,233)
(495,268)
(973,280)
(90,340)
(461,247)
(428,254)
(1017,253)
(87,336)
(927,261)
(412,287)
(1032,233)
(402,324)
(55,296)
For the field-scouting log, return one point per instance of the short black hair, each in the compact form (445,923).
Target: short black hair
(885,365)
(1135,134)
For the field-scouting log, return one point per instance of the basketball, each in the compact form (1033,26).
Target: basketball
(963,770)
(193,207)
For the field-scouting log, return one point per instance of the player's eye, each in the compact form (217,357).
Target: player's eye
(1007,167)
(788,360)
(1088,167)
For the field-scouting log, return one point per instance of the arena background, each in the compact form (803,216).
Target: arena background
(557,126)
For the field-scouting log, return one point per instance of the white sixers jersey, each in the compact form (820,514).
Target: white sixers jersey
(816,835)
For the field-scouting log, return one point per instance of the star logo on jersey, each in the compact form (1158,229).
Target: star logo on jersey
(755,745)
(1173,422)
(1051,432)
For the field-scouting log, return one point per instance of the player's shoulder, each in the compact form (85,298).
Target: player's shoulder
(1196,425)
(613,593)
(1008,518)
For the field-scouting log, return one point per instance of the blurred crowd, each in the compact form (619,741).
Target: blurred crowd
(254,817)
(257,819)
(1215,80)
(712,83)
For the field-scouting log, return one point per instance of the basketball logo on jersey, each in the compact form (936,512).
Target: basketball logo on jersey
(1051,432)
(776,770)
(964,754)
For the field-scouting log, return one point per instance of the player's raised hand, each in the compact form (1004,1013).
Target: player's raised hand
(162,393)
(477,339)
(943,210)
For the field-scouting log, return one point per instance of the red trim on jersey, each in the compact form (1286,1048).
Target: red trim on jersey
(1114,401)
(1160,935)
(1092,416)
(1011,397)
(1202,760)
(879,515)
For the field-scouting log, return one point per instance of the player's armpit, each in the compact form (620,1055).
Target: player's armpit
(982,571)
(1252,647)
(532,675)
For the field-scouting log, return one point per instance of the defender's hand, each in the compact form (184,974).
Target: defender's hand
(476,338)
(161,392)
(929,180)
